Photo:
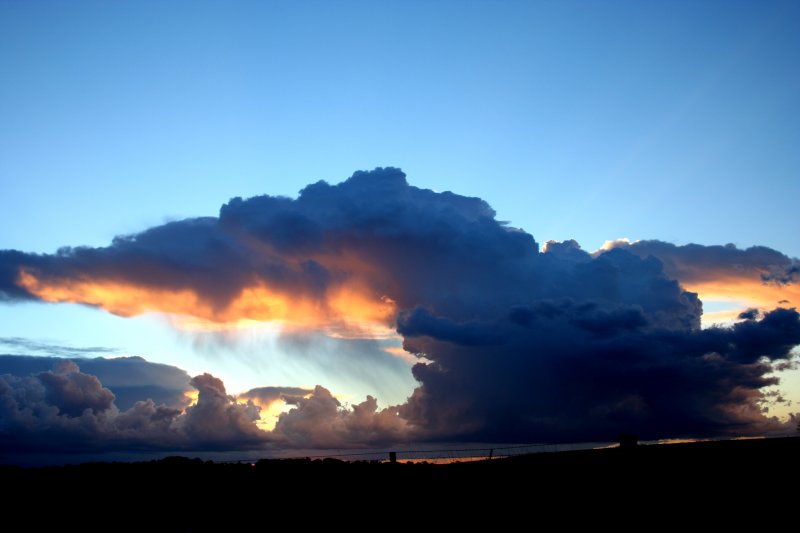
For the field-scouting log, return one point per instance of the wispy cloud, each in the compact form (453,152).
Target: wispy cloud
(36,347)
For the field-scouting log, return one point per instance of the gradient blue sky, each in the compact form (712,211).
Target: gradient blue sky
(585,120)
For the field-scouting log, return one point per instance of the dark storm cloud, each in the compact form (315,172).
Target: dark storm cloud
(519,344)
(562,380)
(420,323)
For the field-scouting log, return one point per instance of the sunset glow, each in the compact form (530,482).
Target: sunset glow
(346,310)
(742,292)
(270,411)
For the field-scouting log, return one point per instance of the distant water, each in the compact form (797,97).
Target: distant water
(433,452)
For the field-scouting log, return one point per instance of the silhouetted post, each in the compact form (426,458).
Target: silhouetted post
(491,452)
(628,441)
(392,457)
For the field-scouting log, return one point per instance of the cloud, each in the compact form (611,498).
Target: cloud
(217,419)
(130,378)
(752,277)
(329,259)
(65,409)
(518,343)
(555,379)
(33,347)
(320,421)
(268,395)
(74,392)
(749,314)
(420,322)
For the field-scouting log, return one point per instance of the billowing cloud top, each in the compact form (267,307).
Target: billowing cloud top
(518,343)
(337,256)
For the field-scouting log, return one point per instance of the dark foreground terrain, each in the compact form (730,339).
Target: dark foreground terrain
(648,486)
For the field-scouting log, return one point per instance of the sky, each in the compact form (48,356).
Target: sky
(664,123)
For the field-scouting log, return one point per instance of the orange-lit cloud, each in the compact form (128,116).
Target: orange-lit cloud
(191,396)
(271,409)
(744,290)
(346,309)
(737,279)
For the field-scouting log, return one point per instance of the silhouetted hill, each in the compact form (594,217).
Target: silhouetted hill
(690,478)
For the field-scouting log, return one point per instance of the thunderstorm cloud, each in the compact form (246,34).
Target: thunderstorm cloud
(516,342)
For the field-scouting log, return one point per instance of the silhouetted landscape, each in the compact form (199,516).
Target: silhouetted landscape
(191,492)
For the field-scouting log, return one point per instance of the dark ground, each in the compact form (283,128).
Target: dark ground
(745,483)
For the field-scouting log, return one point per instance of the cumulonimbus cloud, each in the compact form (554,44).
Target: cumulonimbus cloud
(518,343)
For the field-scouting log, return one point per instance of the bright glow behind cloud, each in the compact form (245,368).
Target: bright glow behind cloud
(756,277)
(345,310)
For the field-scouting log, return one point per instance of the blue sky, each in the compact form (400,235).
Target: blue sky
(584,120)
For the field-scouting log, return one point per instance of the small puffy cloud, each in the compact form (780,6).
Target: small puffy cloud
(74,392)
(749,314)
(321,421)
(217,419)
(268,395)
